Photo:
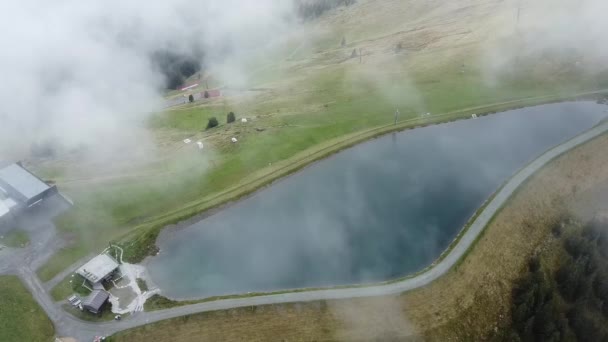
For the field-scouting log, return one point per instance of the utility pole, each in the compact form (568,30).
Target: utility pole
(517,31)
(396,116)
(518,19)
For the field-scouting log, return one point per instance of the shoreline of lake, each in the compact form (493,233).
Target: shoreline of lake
(170,233)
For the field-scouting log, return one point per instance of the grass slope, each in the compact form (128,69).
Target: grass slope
(21,319)
(304,107)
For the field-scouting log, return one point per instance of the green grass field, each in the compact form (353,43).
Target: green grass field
(15,238)
(21,319)
(142,285)
(312,106)
(69,286)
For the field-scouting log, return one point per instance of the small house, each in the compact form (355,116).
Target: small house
(95,301)
(208,94)
(98,269)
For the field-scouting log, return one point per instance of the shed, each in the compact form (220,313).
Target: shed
(98,269)
(211,93)
(22,186)
(95,301)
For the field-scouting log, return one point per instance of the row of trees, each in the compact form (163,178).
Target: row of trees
(230,118)
(205,95)
(572,302)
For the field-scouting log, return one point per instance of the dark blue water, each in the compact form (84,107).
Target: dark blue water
(378,211)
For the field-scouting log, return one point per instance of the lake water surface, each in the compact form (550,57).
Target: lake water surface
(380,210)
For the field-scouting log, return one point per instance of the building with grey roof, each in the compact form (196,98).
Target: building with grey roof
(25,198)
(95,301)
(98,269)
(22,186)
(19,190)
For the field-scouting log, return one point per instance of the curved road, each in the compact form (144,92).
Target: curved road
(67,325)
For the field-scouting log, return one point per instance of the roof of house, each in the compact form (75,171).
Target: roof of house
(19,183)
(96,299)
(3,208)
(98,268)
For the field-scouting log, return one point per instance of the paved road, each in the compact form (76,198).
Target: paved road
(20,262)
(72,327)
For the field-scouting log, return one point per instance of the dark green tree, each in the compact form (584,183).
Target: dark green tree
(212,123)
(191,98)
(230,118)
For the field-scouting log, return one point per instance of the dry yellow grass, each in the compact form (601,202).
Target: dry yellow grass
(353,320)
(472,302)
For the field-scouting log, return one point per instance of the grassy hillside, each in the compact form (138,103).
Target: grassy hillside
(312,99)
(21,319)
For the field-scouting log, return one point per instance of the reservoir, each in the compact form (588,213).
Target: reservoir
(378,211)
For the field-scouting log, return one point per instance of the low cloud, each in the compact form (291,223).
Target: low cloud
(556,36)
(78,75)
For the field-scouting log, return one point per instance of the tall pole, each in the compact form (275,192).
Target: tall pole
(517,31)
(396,115)
(518,16)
